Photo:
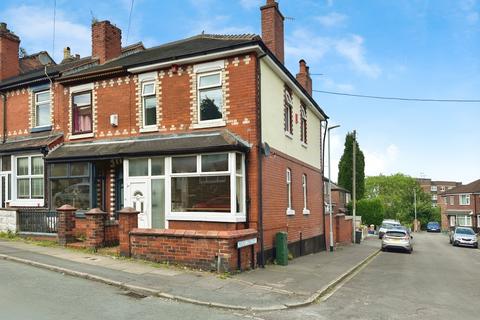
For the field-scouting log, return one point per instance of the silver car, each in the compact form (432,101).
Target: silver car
(397,238)
(464,236)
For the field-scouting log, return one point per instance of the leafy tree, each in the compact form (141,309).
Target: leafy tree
(345,167)
(209,109)
(371,210)
(396,193)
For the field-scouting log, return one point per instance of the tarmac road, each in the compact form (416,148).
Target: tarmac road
(436,281)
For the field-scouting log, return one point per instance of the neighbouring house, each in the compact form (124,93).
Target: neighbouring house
(341,221)
(462,206)
(436,188)
(207,135)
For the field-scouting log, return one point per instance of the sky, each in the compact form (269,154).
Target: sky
(402,48)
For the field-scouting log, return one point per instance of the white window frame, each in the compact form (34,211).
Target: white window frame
(305,194)
(211,122)
(303,125)
(152,127)
(478,221)
(467,220)
(433,188)
(434,197)
(232,216)
(453,221)
(27,202)
(289,115)
(461,199)
(49,102)
(452,200)
(75,90)
(288,180)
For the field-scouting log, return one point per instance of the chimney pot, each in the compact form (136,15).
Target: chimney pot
(9,48)
(303,76)
(273,28)
(106,41)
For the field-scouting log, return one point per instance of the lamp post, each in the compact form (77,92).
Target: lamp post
(330,189)
(415,208)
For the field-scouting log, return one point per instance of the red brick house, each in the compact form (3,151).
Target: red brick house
(207,133)
(341,222)
(462,206)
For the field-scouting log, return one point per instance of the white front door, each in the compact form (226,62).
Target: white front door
(138,198)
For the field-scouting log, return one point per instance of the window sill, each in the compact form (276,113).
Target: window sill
(306,211)
(207,216)
(288,135)
(148,129)
(81,136)
(41,129)
(290,212)
(27,203)
(304,145)
(209,124)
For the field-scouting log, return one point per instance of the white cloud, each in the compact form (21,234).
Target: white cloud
(219,24)
(381,162)
(353,50)
(34,26)
(333,19)
(331,85)
(304,44)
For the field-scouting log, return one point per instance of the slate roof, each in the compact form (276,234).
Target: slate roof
(34,141)
(207,141)
(472,187)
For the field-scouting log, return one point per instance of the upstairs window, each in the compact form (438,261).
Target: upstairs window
(82,112)
(433,188)
(29,177)
(452,200)
(149,104)
(288,112)
(464,199)
(42,108)
(210,96)
(303,124)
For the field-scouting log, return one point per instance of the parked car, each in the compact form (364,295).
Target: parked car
(433,226)
(464,236)
(386,225)
(397,238)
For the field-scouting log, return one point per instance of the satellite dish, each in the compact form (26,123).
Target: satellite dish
(266,149)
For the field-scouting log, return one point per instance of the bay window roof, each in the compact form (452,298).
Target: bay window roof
(168,144)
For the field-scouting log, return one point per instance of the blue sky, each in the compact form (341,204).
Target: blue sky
(415,48)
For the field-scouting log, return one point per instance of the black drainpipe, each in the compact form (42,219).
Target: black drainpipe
(322,151)
(4,116)
(260,158)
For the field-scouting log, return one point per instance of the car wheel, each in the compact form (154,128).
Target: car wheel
(410,251)
(455,243)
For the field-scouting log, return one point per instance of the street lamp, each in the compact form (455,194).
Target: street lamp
(330,189)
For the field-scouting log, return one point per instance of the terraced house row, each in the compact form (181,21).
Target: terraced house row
(209,133)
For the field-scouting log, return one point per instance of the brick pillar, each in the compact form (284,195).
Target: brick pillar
(66,223)
(95,231)
(127,220)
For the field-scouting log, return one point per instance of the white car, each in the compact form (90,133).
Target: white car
(387,225)
(397,238)
(464,236)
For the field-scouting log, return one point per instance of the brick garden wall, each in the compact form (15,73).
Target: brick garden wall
(198,249)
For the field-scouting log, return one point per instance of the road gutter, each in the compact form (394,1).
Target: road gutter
(320,295)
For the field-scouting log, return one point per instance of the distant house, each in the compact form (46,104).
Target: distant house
(435,188)
(342,224)
(462,206)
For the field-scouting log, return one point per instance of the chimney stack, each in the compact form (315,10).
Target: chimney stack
(303,76)
(66,53)
(272,29)
(106,41)
(9,60)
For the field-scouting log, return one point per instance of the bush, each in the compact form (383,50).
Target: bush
(371,210)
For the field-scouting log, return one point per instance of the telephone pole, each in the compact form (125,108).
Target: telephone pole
(354,184)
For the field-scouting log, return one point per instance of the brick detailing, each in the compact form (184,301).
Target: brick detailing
(66,224)
(95,228)
(31,108)
(273,29)
(111,233)
(127,221)
(112,188)
(9,45)
(106,41)
(210,250)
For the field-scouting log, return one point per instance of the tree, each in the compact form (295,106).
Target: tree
(209,109)
(396,193)
(345,167)
(371,210)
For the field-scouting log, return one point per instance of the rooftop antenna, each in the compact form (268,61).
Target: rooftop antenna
(54,20)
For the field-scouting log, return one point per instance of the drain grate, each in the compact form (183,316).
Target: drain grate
(133,295)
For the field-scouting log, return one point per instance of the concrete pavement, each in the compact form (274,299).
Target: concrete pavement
(272,288)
